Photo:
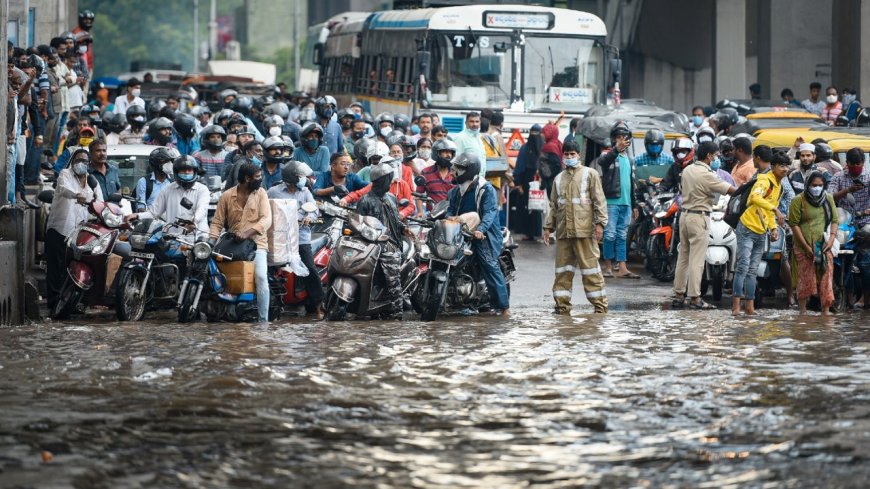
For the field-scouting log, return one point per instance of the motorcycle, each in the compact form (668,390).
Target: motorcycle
(321,246)
(151,271)
(88,248)
(846,277)
(205,287)
(768,274)
(721,255)
(661,255)
(641,228)
(215,188)
(452,279)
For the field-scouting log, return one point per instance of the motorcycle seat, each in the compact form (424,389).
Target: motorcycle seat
(318,243)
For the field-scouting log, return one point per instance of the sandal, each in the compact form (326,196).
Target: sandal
(628,274)
(701,305)
(678,303)
(607,274)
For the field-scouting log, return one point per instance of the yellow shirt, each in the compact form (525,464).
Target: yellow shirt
(761,204)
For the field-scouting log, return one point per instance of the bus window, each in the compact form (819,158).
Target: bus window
(466,74)
(563,72)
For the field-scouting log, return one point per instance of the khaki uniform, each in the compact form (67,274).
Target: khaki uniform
(577,205)
(699,183)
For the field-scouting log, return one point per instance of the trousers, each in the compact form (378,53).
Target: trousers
(261,279)
(691,250)
(578,254)
(312,281)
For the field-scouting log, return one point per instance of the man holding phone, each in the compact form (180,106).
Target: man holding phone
(854,182)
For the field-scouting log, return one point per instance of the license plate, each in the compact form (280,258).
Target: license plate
(147,256)
(354,245)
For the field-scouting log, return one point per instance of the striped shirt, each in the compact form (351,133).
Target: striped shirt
(213,164)
(436,187)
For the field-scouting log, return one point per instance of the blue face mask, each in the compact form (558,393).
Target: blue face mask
(312,143)
(655,149)
(572,162)
(415,129)
(697,120)
(300,184)
(186,177)
(256,161)
(716,163)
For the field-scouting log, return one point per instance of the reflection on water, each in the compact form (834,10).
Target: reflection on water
(646,399)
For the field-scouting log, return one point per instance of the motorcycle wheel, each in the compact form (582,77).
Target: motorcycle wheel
(651,257)
(663,265)
(718,281)
(67,300)
(129,304)
(841,302)
(433,302)
(186,313)
(336,309)
(417,297)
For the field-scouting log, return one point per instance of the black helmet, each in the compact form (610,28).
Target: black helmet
(278,108)
(728,116)
(159,157)
(227,92)
(824,152)
(367,117)
(242,104)
(842,121)
(385,117)
(401,122)
(394,137)
(222,118)
(863,118)
(185,126)
(208,131)
(86,14)
(237,120)
(154,108)
(361,149)
(90,111)
(158,125)
(199,111)
(275,142)
(466,166)
(294,170)
(324,107)
(182,163)
(114,123)
(136,116)
(443,144)
(654,141)
(309,128)
(409,147)
(620,128)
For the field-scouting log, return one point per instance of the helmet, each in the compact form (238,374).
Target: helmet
(654,141)
(401,122)
(381,170)
(155,127)
(724,143)
(208,131)
(159,157)
(683,145)
(409,147)
(324,107)
(863,118)
(199,111)
(222,118)
(385,117)
(824,152)
(275,142)
(620,128)
(309,128)
(278,108)
(90,111)
(728,116)
(294,170)
(346,114)
(242,104)
(367,117)
(185,125)
(182,163)
(135,115)
(237,120)
(394,137)
(842,121)
(466,166)
(227,92)
(378,150)
(86,14)
(114,122)
(443,144)
(361,149)
(154,108)
(273,121)
(705,134)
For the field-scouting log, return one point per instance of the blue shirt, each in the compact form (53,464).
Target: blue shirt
(142,187)
(301,197)
(319,161)
(352,181)
(647,160)
(109,183)
(332,136)
(624,165)
(489,248)
(187,147)
(271,179)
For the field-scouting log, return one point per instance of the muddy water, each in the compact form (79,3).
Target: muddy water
(640,399)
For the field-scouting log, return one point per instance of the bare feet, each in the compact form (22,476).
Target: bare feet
(750,308)
(735,306)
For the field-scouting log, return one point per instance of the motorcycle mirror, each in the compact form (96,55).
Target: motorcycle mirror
(440,209)
(340,190)
(116,198)
(92,182)
(186,203)
(420,181)
(46,196)
(309,207)
(404,203)
(46,166)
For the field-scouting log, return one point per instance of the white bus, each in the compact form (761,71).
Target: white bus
(314,48)
(532,62)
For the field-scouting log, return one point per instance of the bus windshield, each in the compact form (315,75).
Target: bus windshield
(563,73)
(471,70)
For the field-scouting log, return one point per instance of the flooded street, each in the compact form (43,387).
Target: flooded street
(639,398)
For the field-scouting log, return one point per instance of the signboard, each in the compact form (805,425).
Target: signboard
(568,95)
(518,20)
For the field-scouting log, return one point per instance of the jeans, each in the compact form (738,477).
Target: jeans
(495,283)
(261,278)
(616,232)
(863,263)
(750,248)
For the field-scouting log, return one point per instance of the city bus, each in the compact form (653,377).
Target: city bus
(534,63)
(315,39)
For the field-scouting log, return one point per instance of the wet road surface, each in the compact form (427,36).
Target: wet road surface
(641,397)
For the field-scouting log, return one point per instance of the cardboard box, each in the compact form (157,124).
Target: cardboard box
(240,276)
(113,264)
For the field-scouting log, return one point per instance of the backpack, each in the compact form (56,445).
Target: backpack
(739,201)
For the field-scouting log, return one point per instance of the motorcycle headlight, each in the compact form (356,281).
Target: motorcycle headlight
(138,240)
(370,233)
(446,251)
(425,253)
(201,251)
(111,219)
(215,197)
(101,244)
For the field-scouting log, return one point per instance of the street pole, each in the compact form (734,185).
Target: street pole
(4,182)
(296,63)
(196,36)
(212,31)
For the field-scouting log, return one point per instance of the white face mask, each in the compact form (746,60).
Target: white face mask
(571,162)
(80,169)
(167,169)
(385,131)
(831,99)
(83,49)
(424,153)
(274,131)
(136,92)
(816,190)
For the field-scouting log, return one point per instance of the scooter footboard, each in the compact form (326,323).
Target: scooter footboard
(345,288)
(716,255)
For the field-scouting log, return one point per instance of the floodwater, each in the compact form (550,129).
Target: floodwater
(632,399)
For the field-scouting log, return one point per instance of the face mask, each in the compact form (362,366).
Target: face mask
(254,185)
(848,99)
(855,171)
(83,49)
(655,149)
(274,131)
(831,99)
(136,92)
(415,129)
(816,190)
(312,143)
(256,161)
(385,131)
(186,177)
(716,164)
(80,169)
(328,113)
(680,156)
(572,162)
(697,120)
(474,132)
(229,147)
(424,153)
(356,136)
(300,184)
(167,169)
(85,142)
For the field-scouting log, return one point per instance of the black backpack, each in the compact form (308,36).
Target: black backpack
(739,201)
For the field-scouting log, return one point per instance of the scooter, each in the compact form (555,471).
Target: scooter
(721,255)
(321,246)
(846,277)
(661,256)
(768,274)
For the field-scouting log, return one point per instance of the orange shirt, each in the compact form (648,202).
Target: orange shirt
(743,172)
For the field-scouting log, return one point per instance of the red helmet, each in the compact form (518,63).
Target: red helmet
(683,151)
